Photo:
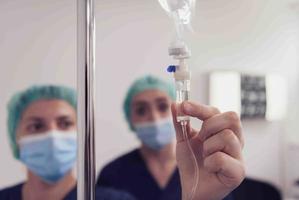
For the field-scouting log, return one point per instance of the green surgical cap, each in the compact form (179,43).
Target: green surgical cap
(20,101)
(148,82)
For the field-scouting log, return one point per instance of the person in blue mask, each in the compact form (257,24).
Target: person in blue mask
(156,169)
(42,131)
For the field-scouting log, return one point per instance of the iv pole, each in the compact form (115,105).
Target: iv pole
(85,107)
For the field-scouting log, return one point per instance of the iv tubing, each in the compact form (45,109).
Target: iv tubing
(195,164)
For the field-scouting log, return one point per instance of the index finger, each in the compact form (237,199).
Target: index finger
(200,111)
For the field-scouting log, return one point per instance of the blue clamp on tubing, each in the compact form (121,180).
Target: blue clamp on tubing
(171,68)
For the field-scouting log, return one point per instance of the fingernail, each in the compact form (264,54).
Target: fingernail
(187,107)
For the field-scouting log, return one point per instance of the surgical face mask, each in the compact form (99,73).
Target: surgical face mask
(156,135)
(49,155)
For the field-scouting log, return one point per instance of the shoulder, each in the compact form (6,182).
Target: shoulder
(128,159)
(111,194)
(12,192)
(258,188)
(120,169)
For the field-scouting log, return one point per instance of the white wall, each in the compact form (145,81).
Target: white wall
(37,45)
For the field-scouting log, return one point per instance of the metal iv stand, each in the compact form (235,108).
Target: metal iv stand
(86,94)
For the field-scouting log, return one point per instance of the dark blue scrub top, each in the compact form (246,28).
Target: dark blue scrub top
(15,193)
(129,173)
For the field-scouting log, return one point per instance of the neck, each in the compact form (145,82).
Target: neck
(161,164)
(35,188)
(164,156)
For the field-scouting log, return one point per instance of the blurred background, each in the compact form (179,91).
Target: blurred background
(256,37)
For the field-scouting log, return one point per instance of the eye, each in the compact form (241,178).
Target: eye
(36,127)
(65,124)
(163,107)
(141,110)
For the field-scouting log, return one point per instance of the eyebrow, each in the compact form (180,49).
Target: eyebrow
(34,118)
(38,119)
(140,103)
(161,99)
(64,117)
